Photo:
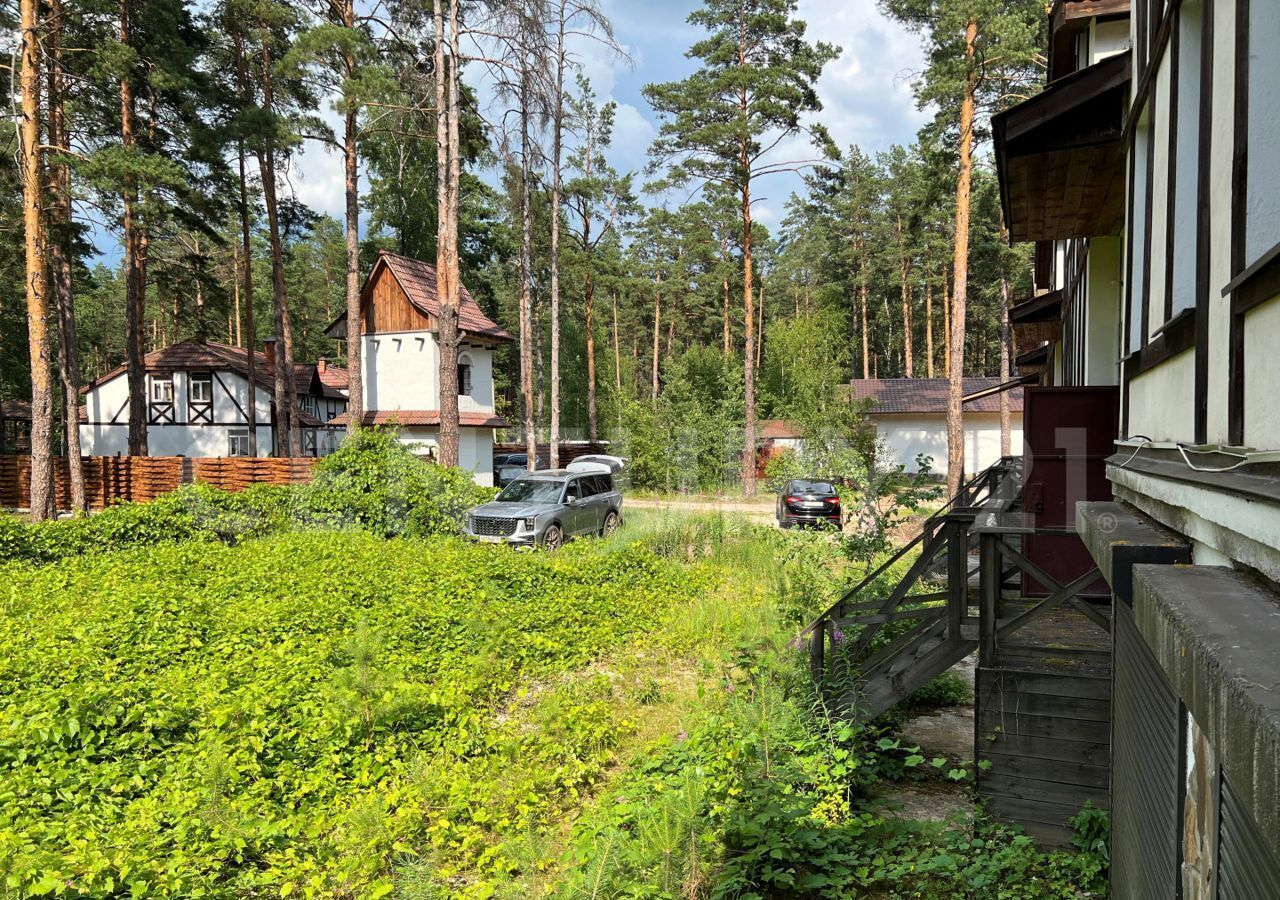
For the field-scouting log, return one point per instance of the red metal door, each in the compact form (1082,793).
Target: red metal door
(1067,434)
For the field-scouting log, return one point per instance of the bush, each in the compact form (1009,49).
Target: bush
(375,483)
(372,483)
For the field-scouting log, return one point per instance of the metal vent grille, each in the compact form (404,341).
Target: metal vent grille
(491,526)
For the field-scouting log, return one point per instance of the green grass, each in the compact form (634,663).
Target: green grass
(335,714)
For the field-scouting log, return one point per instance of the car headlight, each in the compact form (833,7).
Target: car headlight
(530,522)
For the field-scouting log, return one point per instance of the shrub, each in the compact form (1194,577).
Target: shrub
(374,482)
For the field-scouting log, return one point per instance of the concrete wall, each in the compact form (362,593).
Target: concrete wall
(909,435)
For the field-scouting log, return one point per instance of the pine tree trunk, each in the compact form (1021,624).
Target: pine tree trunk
(526,260)
(657,329)
(446,243)
(42,483)
(760,324)
(246,259)
(724,257)
(903,271)
(588,292)
(287,438)
(557,136)
(946,324)
(351,184)
(60,261)
(617,350)
(749,346)
(134,312)
(928,328)
(955,394)
(866,335)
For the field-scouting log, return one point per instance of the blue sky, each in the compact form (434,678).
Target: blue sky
(866,92)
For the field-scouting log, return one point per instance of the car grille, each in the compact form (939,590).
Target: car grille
(490,526)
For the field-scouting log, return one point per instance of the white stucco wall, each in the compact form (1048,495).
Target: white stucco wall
(1107,38)
(1219,197)
(402,371)
(106,431)
(1262,377)
(1102,312)
(1162,400)
(475,448)
(907,436)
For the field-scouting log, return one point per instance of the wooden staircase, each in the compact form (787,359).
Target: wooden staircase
(866,655)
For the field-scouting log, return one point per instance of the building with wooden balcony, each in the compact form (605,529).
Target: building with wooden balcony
(1119,581)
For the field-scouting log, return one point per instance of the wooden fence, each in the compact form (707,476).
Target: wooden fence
(120,479)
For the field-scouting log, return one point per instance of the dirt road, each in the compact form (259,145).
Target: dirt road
(759,510)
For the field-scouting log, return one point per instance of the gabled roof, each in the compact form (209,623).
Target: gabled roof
(407,417)
(213,356)
(418,281)
(773,429)
(15,409)
(929,395)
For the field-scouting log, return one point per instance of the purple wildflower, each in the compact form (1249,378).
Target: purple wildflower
(837,636)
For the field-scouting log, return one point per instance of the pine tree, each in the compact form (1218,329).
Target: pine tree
(723,122)
(978,53)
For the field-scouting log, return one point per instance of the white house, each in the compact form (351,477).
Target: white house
(197,401)
(400,361)
(910,414)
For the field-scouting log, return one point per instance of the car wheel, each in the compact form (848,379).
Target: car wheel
(552,538)
(611,523)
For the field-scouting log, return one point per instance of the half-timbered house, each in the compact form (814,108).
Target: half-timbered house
(400,361)
(197,401)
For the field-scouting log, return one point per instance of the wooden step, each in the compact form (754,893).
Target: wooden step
(895,681)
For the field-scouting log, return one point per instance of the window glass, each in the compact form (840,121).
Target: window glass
(464,379)
(238,442)
(161,388)
(532,490)
(201,388)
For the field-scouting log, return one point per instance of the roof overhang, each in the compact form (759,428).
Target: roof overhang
(1060,155)
(1020,381)
(1037,320)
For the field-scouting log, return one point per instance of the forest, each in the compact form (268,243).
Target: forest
(149,199)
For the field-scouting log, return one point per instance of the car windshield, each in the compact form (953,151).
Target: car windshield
(531,490)
(812,487)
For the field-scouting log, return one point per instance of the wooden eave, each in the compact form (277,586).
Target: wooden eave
(1060,156)
(1037,320)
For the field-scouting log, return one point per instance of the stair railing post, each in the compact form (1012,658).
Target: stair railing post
(817,662)
(957,576)
(990,579)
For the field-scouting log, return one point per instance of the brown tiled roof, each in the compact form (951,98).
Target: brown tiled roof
(210,355)
(15,409)
(777,428)
(928,395)
(407,417)
(418,280)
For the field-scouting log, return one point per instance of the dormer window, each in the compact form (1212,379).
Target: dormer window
(464,376)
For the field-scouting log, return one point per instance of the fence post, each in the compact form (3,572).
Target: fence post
(990,582)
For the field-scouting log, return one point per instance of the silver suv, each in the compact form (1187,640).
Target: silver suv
(547,508)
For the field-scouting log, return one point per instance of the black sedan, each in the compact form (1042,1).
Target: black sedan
(805,501)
